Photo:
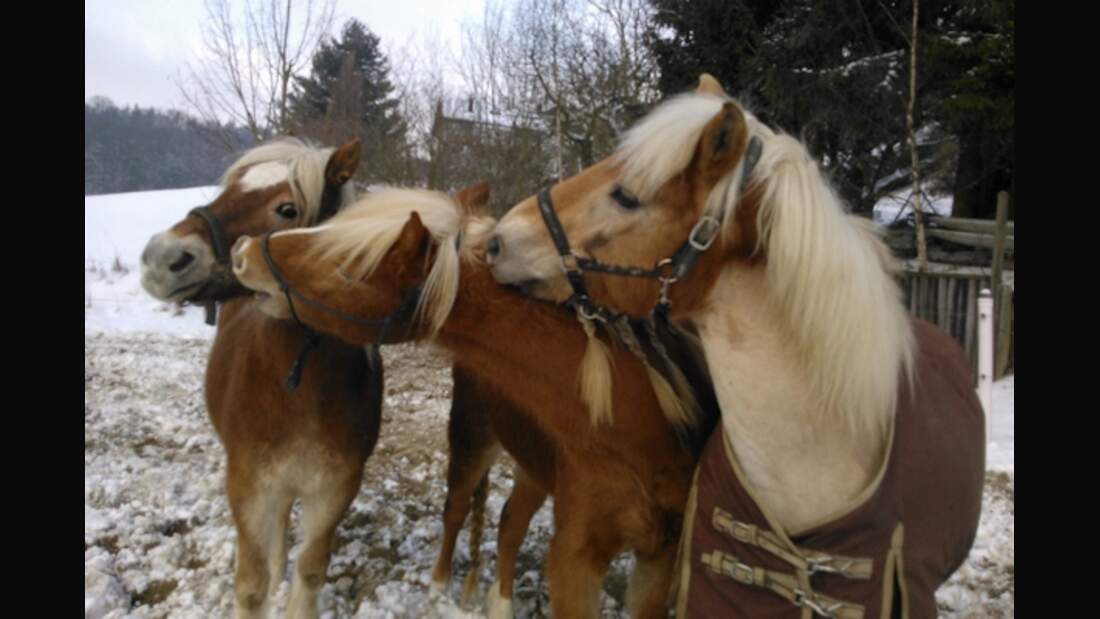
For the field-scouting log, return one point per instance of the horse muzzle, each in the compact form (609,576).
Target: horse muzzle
(174,268)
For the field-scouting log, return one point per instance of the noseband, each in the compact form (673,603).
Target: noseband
(400,315)
(222,273)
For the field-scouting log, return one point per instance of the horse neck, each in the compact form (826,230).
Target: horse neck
(530,351)
(799,469)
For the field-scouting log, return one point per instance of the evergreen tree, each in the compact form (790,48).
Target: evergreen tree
(136,149)
(381,125)
(971,66)
(835,75)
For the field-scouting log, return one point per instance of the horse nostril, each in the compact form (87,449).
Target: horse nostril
(493,247)
(182,262)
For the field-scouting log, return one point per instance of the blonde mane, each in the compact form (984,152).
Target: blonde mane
(306,171)
(828,273)
(363,233)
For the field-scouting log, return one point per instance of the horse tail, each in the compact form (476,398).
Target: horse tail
(477,528)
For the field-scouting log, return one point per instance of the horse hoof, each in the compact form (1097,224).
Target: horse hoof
(499,607)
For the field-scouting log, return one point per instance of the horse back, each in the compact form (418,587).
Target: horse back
(942,440)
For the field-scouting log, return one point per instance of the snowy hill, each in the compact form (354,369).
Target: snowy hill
(116,229)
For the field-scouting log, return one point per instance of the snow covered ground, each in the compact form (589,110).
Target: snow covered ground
(116,229)
(158,537)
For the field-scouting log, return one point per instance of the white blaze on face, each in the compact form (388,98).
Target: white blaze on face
(264,175)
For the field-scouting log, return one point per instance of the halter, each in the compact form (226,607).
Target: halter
(222,272)
(399,315)
(643,337)
(667,271)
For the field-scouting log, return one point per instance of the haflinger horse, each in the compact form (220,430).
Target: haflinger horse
(281,445)
(848,474)
(618,484)
(311,442)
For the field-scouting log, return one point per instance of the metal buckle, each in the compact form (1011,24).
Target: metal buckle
(567,267)
(581,304)
(707,226)
(743,573)
(820,564)
(802,599)
(666,281)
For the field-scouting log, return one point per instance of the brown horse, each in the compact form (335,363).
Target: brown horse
(837,409)
(616,485)
(311,443)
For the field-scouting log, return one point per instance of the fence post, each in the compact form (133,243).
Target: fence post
(985,358)
(1003,346)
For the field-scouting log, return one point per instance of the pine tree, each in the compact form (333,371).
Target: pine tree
(834,74)
(380,120)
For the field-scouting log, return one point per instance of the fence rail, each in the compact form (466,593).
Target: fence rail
(947,296)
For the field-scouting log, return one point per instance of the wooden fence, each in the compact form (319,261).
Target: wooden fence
(947,295)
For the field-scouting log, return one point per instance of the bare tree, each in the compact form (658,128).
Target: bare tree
(580,67)
(244,78)
(917,196)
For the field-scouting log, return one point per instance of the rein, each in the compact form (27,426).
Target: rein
(399,315)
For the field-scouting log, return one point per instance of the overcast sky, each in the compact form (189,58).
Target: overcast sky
(134,48)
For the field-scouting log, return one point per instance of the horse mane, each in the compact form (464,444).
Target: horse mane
(828,273)
(305,163)
(362,234)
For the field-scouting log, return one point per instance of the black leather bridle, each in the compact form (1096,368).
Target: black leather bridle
(667,271)
(222,272)
(646,337)
(400,315)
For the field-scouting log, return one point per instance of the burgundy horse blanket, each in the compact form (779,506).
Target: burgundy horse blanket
(884,558)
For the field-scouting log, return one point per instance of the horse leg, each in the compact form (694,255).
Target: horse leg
(647,596)
(321,514)
(584,543)
(473,451)
(260,515)
(515,517)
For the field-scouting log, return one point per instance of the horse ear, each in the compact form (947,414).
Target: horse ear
(709,85)
(414,240)
(342,164)
(723,142)
(473,198)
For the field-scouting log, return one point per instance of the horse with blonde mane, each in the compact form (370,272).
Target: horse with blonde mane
(847,476)
(617,485)
(309,442)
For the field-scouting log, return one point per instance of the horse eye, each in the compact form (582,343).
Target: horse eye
(624,199)
(287,210)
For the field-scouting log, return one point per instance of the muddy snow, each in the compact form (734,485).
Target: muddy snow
(159,540)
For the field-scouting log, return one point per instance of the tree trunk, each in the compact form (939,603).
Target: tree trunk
(967,174)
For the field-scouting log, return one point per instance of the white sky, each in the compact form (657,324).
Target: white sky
(134,48)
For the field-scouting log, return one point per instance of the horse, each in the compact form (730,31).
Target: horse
(309,443)
(273,437)
(620,484)
(847,427)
